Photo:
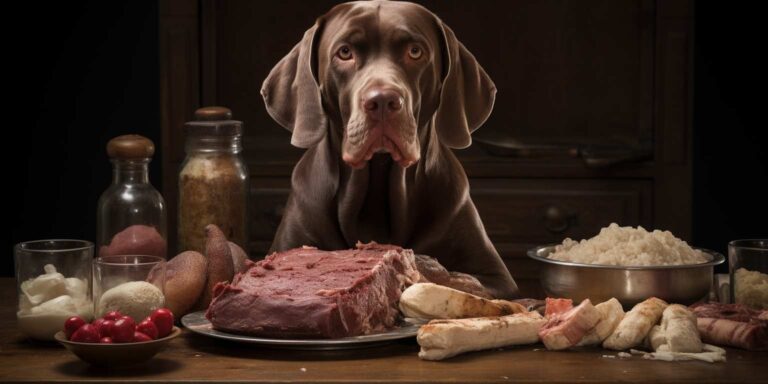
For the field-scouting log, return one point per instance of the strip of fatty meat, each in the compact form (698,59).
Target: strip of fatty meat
(735,325)
(735,312)
(565,329)
(752,335)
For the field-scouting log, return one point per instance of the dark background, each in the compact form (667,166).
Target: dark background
(82,72)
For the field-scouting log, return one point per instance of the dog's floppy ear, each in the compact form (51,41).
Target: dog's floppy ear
(467,94)
(292,95)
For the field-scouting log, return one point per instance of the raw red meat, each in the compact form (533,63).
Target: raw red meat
(309,293)
(555,306)
(136,240)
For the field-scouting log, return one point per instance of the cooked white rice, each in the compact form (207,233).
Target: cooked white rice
(628,246)
(751,288)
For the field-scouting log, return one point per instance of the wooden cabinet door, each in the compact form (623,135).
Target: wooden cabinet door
(567,72)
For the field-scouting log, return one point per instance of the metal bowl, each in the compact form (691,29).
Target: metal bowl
(682,284)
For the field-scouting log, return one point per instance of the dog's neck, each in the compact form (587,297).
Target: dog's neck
(373,218)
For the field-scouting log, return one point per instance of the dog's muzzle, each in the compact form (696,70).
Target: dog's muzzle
(384,123)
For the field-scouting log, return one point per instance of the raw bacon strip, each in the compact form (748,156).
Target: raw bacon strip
(564,330)
(747,335)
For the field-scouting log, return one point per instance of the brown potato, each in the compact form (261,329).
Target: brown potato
(220,265)
(433,272)
(185,277)
(467,283)
(238,257)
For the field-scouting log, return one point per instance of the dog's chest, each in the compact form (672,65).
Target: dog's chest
(374,217)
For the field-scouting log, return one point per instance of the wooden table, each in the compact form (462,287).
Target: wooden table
(194,358)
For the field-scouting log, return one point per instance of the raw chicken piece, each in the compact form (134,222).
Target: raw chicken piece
(564,330)
(636,325)
(611,314)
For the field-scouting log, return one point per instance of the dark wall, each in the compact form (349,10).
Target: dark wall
(730,198)
(83,72)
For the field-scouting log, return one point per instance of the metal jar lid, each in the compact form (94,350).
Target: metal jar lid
(214,121)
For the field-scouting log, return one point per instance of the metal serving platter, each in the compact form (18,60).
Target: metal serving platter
(197,323)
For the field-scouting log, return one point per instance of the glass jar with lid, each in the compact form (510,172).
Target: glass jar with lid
(213,181)
(131,218)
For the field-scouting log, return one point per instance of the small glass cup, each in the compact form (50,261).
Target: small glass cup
(134,285)
(53,280)
(748,262)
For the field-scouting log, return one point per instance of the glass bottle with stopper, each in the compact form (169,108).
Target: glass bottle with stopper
(213,181)
(131,218)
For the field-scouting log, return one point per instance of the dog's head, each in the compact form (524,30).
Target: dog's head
(383,70)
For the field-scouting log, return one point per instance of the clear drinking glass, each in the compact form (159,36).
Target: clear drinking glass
(748,261)
(134,285)
(53,280)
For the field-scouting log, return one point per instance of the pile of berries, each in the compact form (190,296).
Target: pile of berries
(114,327)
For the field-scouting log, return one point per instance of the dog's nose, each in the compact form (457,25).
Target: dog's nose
(379,102)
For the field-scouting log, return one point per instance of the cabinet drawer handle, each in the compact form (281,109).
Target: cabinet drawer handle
(557,220)
(593,156)
(601,157)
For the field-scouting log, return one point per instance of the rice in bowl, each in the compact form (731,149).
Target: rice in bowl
(628,246)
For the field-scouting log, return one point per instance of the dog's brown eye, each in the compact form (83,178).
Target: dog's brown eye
(415,52)
(344,53)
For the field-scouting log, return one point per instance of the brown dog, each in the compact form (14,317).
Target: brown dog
(378,92)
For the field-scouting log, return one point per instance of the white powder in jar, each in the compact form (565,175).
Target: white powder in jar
(628,246)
